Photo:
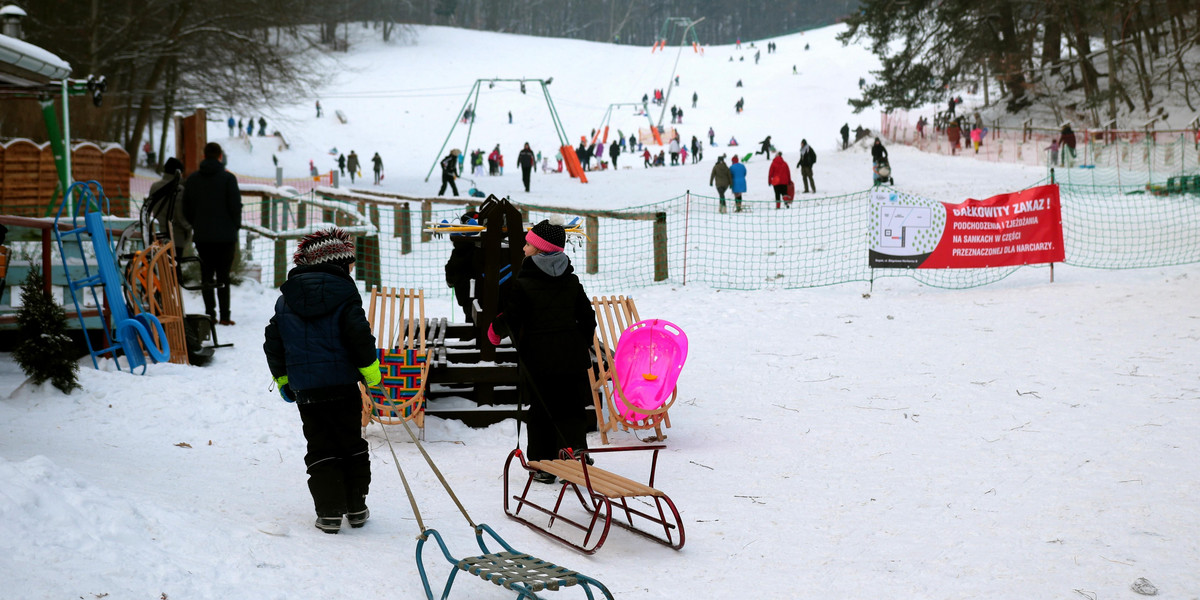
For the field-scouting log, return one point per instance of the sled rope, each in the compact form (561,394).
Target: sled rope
(408,490)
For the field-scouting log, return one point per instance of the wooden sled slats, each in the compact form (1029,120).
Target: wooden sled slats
(397,319)
(599,493)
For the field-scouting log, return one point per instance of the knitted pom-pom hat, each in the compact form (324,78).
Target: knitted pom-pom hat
(547,236)
(333,246)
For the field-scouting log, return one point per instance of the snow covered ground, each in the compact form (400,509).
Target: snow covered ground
(1024,439)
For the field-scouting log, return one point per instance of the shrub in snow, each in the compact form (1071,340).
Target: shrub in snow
(46,351)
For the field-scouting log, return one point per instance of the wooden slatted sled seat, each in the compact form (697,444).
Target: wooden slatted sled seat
(397,318)
(597,490)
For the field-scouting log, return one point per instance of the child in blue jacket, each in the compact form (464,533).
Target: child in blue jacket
(319,346)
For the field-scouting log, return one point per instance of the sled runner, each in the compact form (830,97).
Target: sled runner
(597,491)
(510,568)
(397,318)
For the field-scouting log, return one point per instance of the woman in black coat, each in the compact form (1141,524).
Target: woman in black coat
(551,323)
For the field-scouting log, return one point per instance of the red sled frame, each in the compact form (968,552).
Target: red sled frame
(597,490)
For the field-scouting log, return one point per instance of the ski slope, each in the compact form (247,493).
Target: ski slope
(1026,439)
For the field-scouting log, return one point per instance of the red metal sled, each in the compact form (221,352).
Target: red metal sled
(596,490)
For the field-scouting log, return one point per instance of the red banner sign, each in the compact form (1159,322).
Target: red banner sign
(1021,228)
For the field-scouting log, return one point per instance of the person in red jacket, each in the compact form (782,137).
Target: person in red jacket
(780,177)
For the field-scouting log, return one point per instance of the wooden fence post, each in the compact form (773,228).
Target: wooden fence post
(403,228)
(281,262)
(593,245)
(660,247)
(426,216)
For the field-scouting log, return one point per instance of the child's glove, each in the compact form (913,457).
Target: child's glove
(285,391)
(492,337)
(371,374)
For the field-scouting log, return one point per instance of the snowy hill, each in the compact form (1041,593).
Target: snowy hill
(1026,439)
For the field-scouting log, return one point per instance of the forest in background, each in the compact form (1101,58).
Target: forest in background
(1115,63)
(163,56)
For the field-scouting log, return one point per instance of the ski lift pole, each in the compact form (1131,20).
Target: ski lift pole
(558,126)
(675,67)
(438,158)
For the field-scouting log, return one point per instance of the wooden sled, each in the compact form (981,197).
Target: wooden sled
(397,318)
(596,490)
(154,288)
(614,315)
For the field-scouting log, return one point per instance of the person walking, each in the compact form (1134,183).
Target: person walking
(493,161)
(720,178)
(737,182)
(319,347)
(1067,140)
(953,135)
(976,137)
(377,162)
(766,147)
(695,150)
(646,158)
(449,172)
(711,134)
(673,148)
(342,165)
(319,109)
(845,131)
(525,161)
(231,123)
(879,154)
(695,99)
(779,175)
(808,158)
(352,165)
(550,321)
(614,152)
(212,203)
(262,127)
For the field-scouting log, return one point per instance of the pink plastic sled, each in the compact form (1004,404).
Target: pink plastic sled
(646,366)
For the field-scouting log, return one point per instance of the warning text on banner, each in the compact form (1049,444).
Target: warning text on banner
(1014,229)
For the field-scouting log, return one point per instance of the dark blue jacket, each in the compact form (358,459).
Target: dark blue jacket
(319,336)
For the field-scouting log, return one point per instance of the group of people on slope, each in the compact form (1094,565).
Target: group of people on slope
(352,164)
(451,166)
(779,176)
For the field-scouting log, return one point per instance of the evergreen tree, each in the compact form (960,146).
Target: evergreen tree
(46,352)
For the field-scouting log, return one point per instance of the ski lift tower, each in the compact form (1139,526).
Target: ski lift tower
(689,27)
(567,150)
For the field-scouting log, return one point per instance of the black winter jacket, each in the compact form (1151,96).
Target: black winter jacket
(319,336)
(550,320)
(525,159)
(212,203)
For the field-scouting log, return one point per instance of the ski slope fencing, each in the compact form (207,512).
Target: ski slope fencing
(1105,156)
(686,240)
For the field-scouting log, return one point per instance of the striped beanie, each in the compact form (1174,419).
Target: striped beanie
(547,236)
(333,246)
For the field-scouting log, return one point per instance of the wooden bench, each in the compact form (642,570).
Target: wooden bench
(603,489)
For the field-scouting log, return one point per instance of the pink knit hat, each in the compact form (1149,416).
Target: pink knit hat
(547,237)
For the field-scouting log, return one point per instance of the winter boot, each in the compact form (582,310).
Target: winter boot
(359,518)
(329,524)
(543,477)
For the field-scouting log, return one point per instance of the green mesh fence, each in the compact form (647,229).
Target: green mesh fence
(1131,162)
(818,241)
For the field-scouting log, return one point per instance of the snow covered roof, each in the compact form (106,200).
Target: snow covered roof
(24,64)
